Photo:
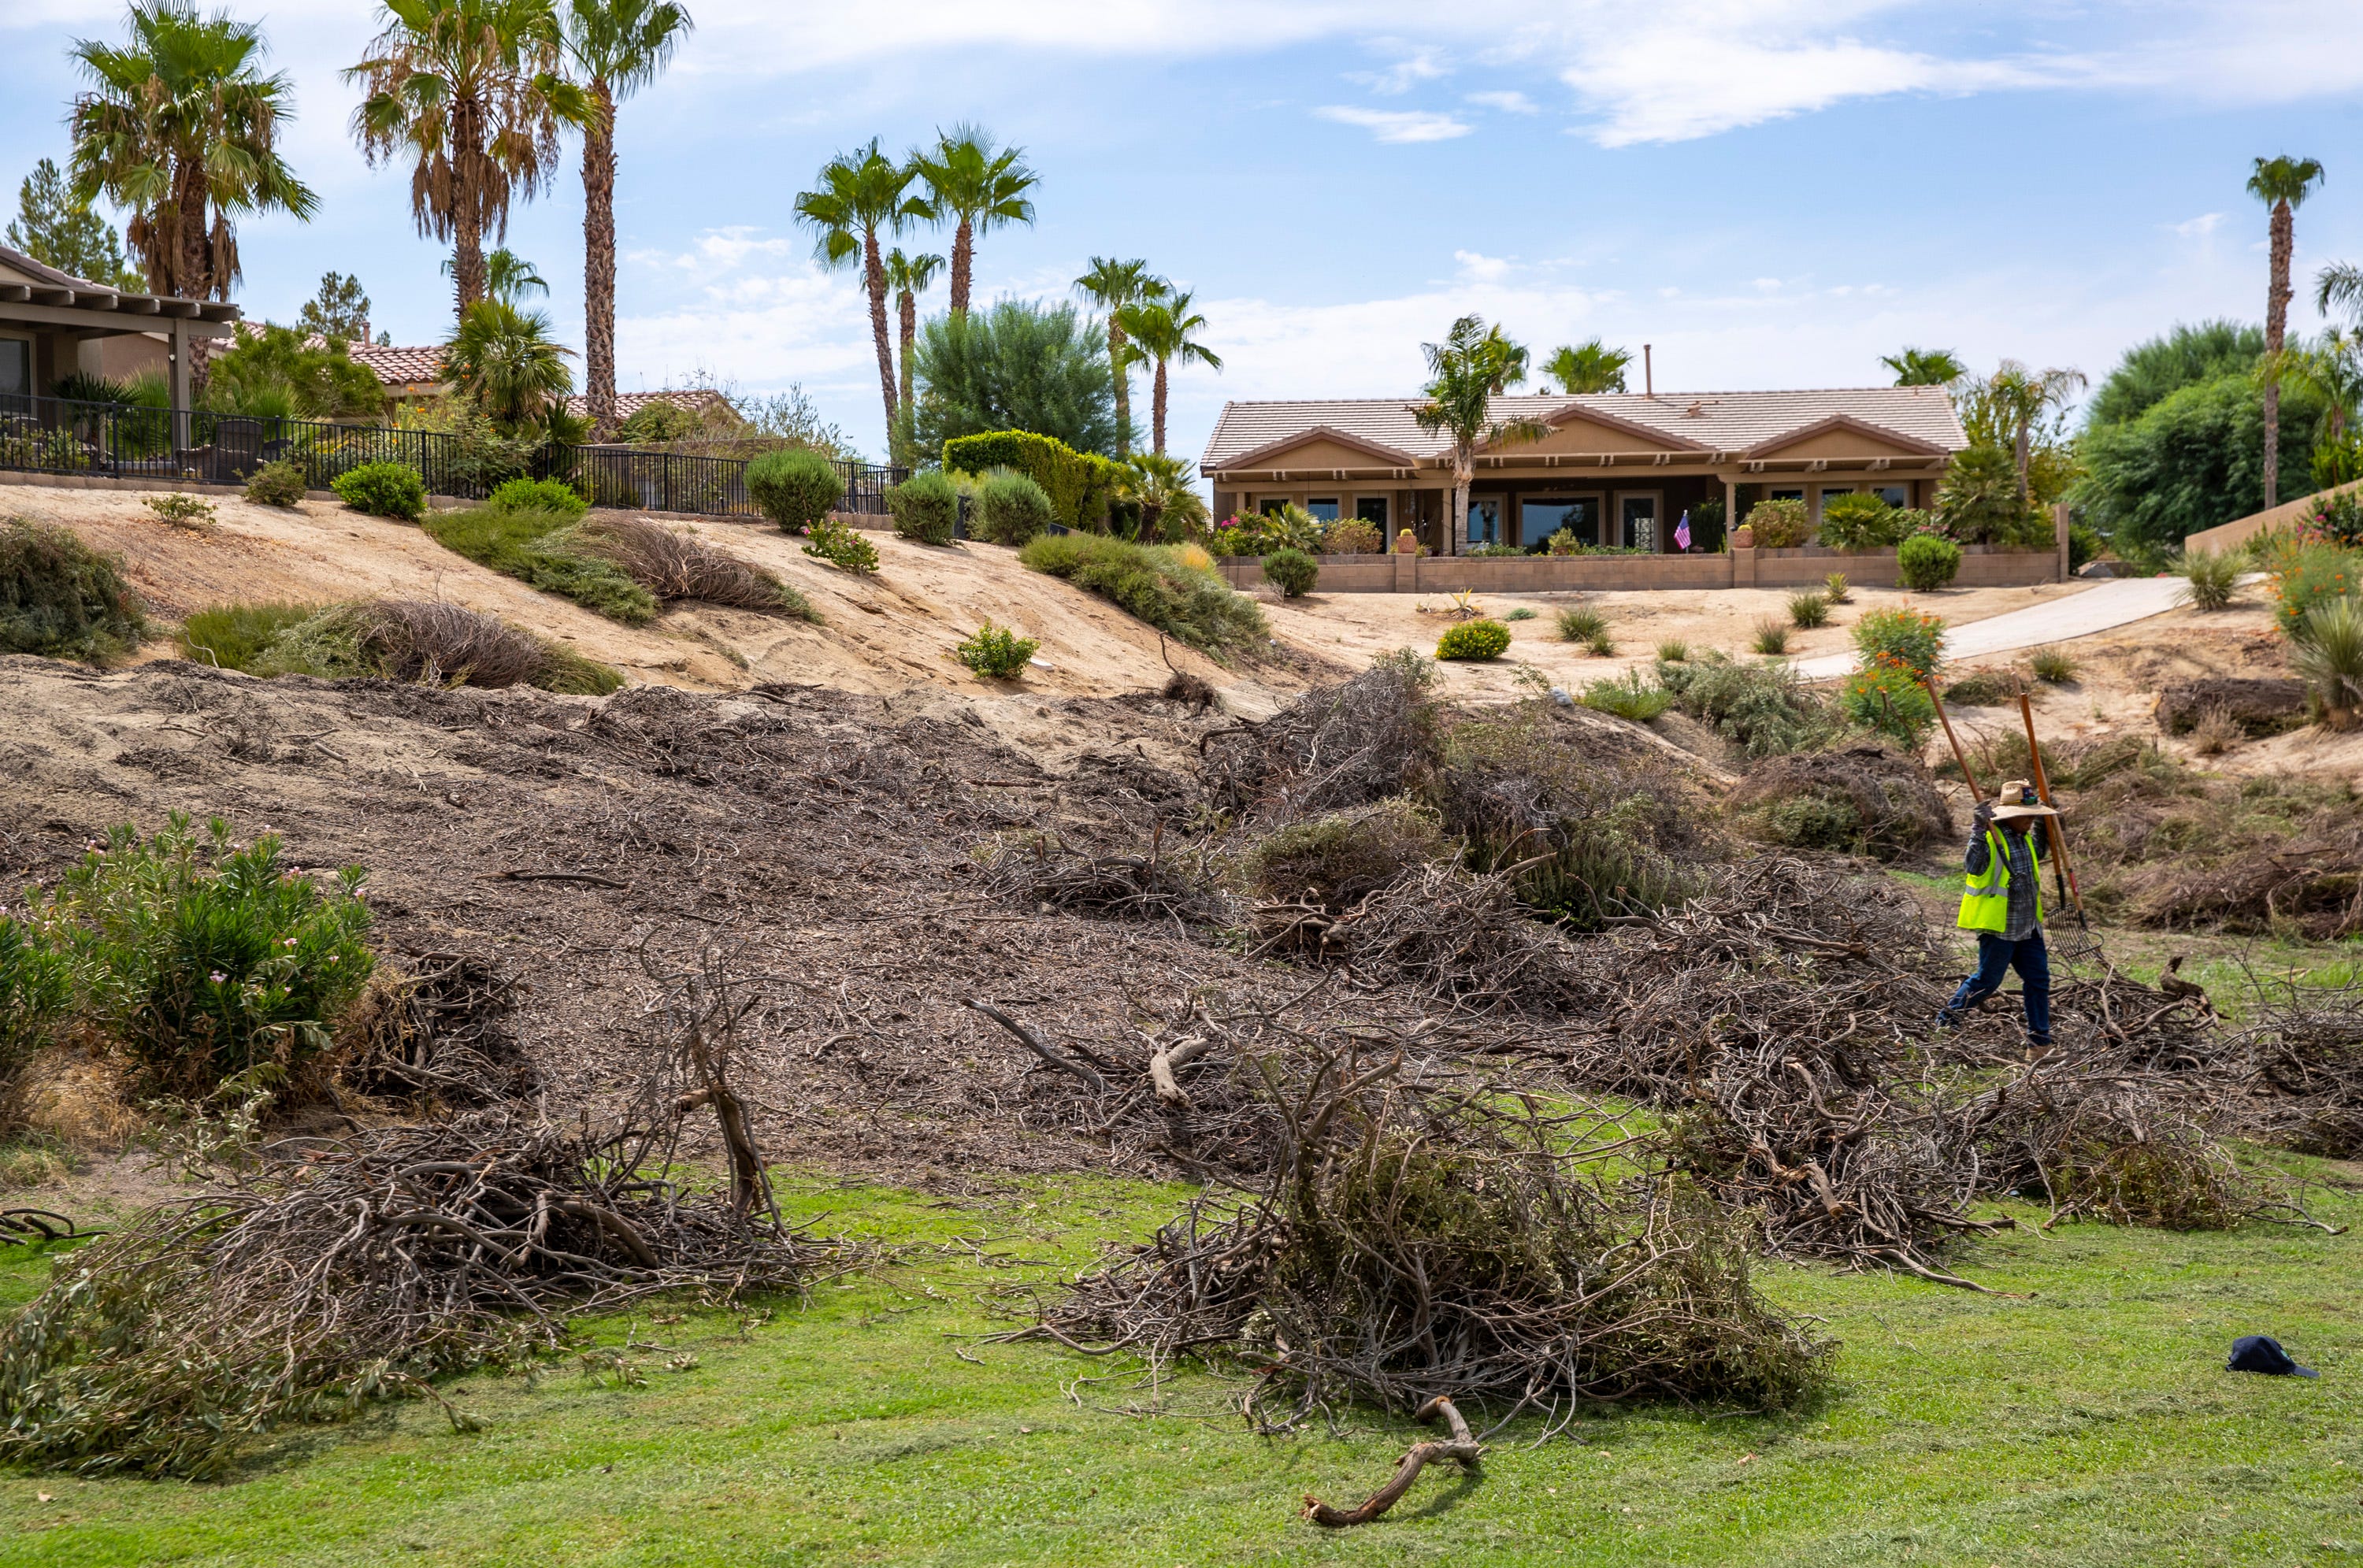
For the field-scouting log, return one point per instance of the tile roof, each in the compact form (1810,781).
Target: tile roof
(1730,421)
(629,403)
(397,367)
(41,275)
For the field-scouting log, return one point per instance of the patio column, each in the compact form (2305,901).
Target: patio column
(180,352)
(1730,505)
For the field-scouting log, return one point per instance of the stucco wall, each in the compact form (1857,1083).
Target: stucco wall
(1981,567)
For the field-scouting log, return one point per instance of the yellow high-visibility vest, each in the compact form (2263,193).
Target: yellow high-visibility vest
(1985,898)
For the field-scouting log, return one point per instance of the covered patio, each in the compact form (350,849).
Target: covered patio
(54,326)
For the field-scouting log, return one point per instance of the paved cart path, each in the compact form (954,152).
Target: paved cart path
(2099,609)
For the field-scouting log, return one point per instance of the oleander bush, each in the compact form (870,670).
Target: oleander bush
(794,489)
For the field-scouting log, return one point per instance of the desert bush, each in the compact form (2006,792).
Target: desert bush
(1906,636)
(1771,638)
(1863,800)
(1473,640)
(2306,575)
(1887,699)
(2210,577)
(277,484)
(1984,689)
(1672,650)
(1762,709)
(1334,861)
(2053,667)
(794,489)
(2216,731)
(1580,623)
(232,636)
(207,958)
(995,652)
(1523,613)
(61,599)
(1808,611)
(1834,589)
(183,509)
(1011,509)
(1926,563)
(37,994)
(926,507)
(1159,584)
(1629,696)
(842,546)
(2329,659)
(673,563)
(536,547)
(1353,537)
(1780,525)
(538,495)
(382,490)
(430,641)
(1292,571)
(1861,521)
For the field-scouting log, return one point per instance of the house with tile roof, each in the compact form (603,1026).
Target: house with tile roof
(1617,468)
(53,325)
(417,372)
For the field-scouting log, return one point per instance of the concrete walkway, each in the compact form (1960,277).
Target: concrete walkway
(2098,609)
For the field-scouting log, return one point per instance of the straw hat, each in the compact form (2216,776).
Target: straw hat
(2009,802)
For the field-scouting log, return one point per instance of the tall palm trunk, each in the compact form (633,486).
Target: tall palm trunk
(906,308)
(873,273)
(963,254)
(1157,402)
(2020,449)
(468,172)
(1464,474)
(1122,388)
(599,260)
(2277,300)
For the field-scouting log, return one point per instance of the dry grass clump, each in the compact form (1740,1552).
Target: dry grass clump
(1332,861)
(1038,871)
(2216,731)
(673,564)
(431,642)
(434,1033)
(1864,800)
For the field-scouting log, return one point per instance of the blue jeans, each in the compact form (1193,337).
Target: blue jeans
(1997,956)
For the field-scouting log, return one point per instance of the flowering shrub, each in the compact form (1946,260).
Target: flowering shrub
(841,545)
(2313,575)
(1232,537)
(2336,520)
(1780,525)
(1886,698)
(1905,637)
(1474,640)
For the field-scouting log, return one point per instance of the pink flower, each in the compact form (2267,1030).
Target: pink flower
(219,977)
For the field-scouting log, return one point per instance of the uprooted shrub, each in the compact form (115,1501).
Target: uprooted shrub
(1864,800)
(1161,585)
(61,599)
(536,547)
(431,642)
(672,564)
(1334,748)
(1410,1245)
(1333,862)
(1762,709)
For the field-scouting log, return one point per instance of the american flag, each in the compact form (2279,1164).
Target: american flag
(1682,532)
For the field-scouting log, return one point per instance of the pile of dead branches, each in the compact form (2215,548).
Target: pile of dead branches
(435,1031)
(1334,748)
(1451,1235)
(1156,886)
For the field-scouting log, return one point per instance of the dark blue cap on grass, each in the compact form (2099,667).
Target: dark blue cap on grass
(2261,1352)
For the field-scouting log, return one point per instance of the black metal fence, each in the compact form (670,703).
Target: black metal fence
(47,435)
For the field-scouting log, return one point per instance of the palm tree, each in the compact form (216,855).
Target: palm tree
(2340,284)
(858,193)
(508,277)
(1163,486)
(617,47)
(181,129)
(1588,367)
(2282,184)
(504,360)
(1111,285)
(467,90)
(909,277)
(1163,332)
(2332,370)
(1924,366)
(1466,372)
(2020,398)
(980,186)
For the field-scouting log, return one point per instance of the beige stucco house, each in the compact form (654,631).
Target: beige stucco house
(1620,468)
(53,325)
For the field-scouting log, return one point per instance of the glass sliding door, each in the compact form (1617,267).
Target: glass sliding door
(1637,519)
(1540,516)
(1484,520)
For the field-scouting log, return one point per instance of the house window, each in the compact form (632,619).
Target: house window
(1270,504)
(1896,495)
(15,368)
(1784,495)
(1322,511)
(1829,491)
(1485,519)
(1372,509)
(1540,516)
(1637,521)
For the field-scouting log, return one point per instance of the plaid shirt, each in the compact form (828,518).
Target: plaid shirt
(2022,850)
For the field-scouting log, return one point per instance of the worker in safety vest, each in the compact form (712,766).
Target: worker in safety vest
(2002,903)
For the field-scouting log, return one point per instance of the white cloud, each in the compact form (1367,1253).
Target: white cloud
(1507,103)
(1396,125)
(1480,268)
(2199,227)
(1414,66)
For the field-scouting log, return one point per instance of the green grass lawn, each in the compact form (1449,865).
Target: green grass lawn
(2088,1423)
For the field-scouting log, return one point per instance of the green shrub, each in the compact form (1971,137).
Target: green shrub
(795,490)
(842,546)
(2309,574)
(532,547)
(926,507)
(1762,709)
(1834,589)
(1353,537)
(1771,637)
(1580,623)
(996,653)
(1780,525)
(207,958)
(183,509)
(1673,650)
(276,484)
(1479,639)
(1601,644)
(1629,697)
(382,490)
(1156,583)
(1902,636)
(1523,613)
(36,994)
(2210,577)
(1888,699)
(1011,509)
(232,636)
(61,599)
(2084,545)
(1808,611)
(538,495)
(1292,572)
(1925,563)
(1079,486)
(1861,521)
(2053,667)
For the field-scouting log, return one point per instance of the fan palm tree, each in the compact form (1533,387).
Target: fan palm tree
(1924,366)
(504,360)
(1168,498)
(979,188)
(859,193)
(2020,398)
(1588,367)
(2282,184)
(909,277)
(467,91)
(2340,284)
(1111,285)
(1163,332)
(617,47)
(508,277)
(180,127)
(1466,372)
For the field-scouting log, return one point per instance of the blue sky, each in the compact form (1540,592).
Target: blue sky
(1772,192)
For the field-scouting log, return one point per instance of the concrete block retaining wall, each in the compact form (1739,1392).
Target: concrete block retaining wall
(1981,567)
